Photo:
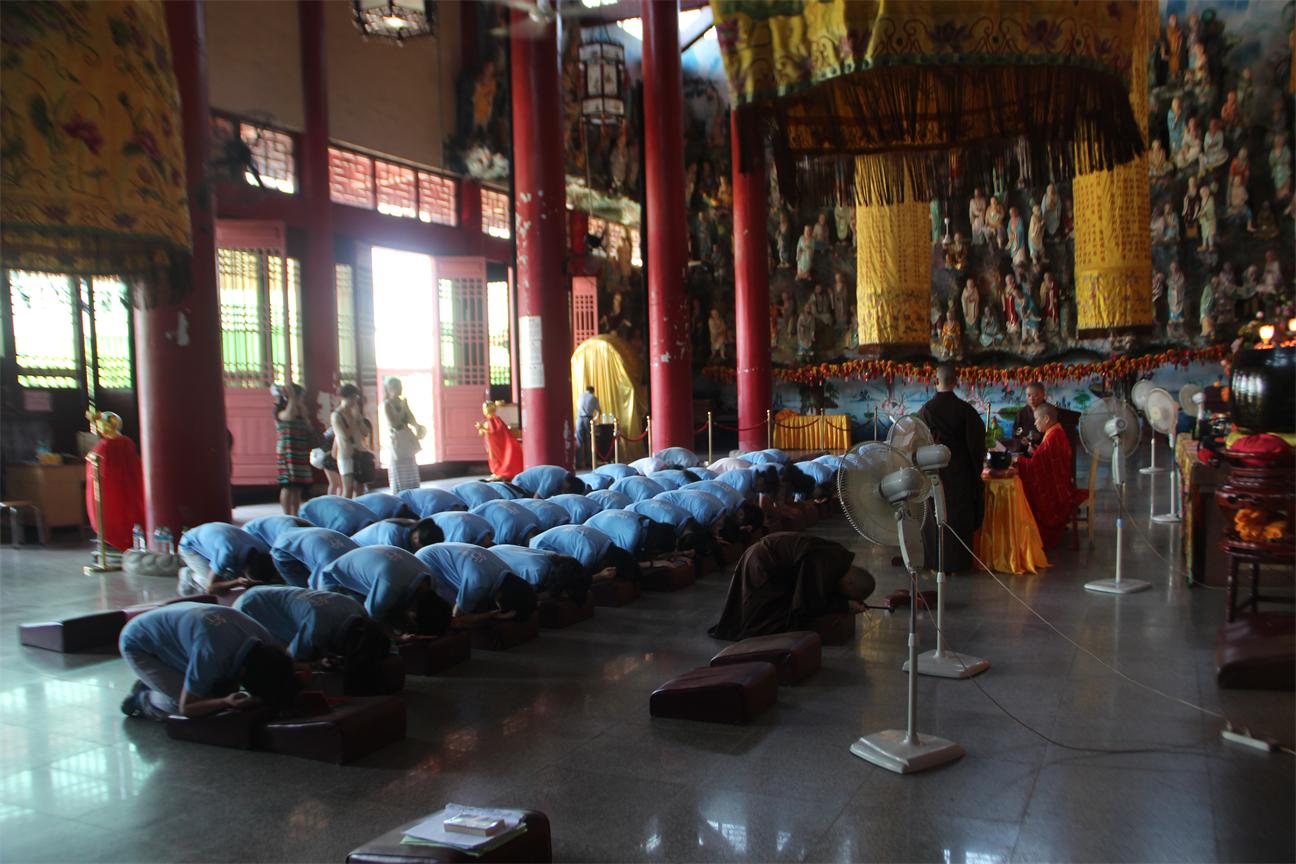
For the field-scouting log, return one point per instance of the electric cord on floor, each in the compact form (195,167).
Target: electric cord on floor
(1174,570)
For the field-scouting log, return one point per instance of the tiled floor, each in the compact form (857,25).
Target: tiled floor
(561,725)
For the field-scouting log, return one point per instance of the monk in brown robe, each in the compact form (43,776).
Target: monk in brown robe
(786,580)
(957,425)
(1048,476)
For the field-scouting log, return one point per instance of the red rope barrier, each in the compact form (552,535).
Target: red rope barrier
(632,439)
(781,425)
(760,425)
(700,429)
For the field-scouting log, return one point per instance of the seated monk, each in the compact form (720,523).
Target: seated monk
(1048,477)
(786,580)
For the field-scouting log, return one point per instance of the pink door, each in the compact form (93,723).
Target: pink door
(461,377)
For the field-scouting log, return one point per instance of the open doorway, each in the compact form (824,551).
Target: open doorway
(431,331)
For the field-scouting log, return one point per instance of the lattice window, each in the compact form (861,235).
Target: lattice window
(498,322)
(462,310)
(272,154)
(438,201)
(397,189)
(351,178)
(261,338)
(44,330)
(496,215)
(344,280)
(112,330)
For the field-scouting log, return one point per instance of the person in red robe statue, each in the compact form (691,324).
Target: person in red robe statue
(1048,477)
(503,452)
(121,483)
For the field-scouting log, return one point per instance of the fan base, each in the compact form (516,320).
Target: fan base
(1111,586)
(1150,470)
(949,664)
(890,751)
(1167,518)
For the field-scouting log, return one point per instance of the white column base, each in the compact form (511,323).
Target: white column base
(1167,518)
(888,750)
(949,664)
(1112,586)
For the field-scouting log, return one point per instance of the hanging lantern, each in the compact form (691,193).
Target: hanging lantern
(603,68)
(396,20)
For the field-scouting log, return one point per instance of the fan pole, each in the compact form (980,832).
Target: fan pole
(1118,585)
(939,663)
(904,752)
(1153,468)
(1171,516)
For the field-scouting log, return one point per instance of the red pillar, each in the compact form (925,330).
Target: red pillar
(319,292)
(544,323)
(751,291)
(178,346)
(669,363)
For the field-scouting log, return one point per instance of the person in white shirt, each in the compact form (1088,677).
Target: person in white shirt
(587,409)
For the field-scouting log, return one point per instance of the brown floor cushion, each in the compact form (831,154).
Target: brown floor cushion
(667,574)
(430,656)
(352,729)
(614,592)
(556,614)
(84,633)
(1257,652)
(720,694)
(502,635)
(795,655)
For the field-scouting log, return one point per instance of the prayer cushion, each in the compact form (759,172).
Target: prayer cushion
(354,728)
(795,655)
(556,614)
(532,845)
(669,574)
(430,656)
(228,728)
(136,611)
(502,635)
(717,694)
(77,633)
(387,679)
(1257,652)
(837,628)
(899,599)
(614,592)
(730,552)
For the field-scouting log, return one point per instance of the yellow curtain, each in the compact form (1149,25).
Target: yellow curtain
(794,431)
(93,171)
(893,252)
(1113,248)
(607,363)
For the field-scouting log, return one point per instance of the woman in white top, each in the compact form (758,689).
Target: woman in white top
(405,435)
(354,460)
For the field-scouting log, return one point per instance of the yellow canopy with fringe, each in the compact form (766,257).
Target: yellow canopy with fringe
(93,163)
(1037,83)
(608,363)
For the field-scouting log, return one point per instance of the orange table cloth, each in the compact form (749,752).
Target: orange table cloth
(1008,540)
(794,431)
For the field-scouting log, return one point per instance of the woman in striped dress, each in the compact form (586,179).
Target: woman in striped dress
(405,431)
(292,447)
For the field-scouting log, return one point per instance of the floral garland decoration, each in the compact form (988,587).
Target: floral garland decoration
(891,370)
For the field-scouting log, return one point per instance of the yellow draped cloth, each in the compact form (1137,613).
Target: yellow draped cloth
(913,78)
(608,363)
(92,179)
(893,274)
(1008,540)
(794,431)
(1113,248)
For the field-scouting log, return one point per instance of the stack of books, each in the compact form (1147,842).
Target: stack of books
(472,830)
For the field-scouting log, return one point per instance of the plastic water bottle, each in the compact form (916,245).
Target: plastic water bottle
(167,542)
(138,541)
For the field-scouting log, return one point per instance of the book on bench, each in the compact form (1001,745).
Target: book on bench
(447,827)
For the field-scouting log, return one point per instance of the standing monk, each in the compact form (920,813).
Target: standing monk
(786,580)
(957,425)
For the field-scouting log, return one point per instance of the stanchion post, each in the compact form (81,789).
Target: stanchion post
(769,428)
(875,419)
(710,442)
(823,430)
(648,432)
(616,439)
(101,565)
(593,446)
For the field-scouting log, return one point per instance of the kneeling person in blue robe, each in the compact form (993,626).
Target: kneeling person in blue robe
(479,586)
(553,576)
(408,534)
(196,659)
(298,554)
(219,557)
(396,588)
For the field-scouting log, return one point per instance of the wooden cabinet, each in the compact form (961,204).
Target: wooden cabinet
(58,490)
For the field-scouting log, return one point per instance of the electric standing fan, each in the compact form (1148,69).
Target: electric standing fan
(1139,395)
(1191,404)
(1163,416)
(881,493)
(911,436)
(1109,433)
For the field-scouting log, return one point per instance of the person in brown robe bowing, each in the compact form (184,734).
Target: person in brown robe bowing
(786,580)
(957,425)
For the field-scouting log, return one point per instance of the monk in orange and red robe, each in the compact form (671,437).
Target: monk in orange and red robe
(503,452)
(121,484)
(1049,479)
